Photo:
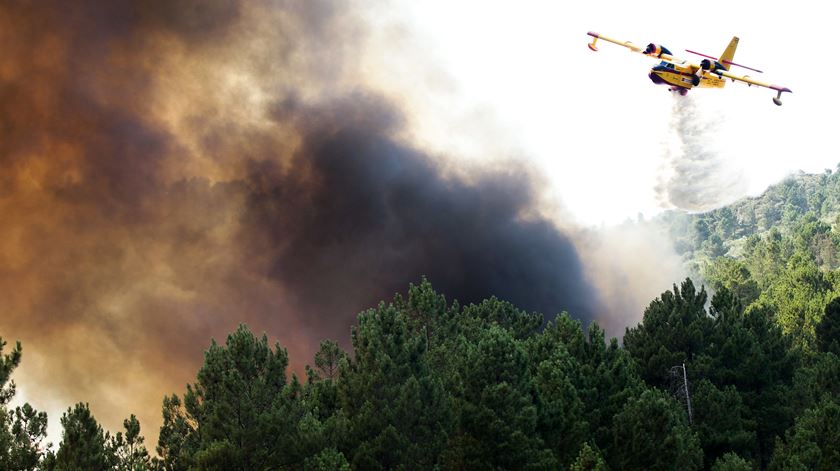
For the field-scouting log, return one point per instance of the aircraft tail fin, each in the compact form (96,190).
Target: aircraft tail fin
(725,59)
(729,53)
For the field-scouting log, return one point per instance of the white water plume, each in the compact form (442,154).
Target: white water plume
(698,173)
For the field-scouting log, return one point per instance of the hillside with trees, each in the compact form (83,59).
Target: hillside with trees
(784,208)
(778,251)
(432,384)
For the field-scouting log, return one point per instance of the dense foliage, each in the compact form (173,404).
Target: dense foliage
(429,384)
(433,385)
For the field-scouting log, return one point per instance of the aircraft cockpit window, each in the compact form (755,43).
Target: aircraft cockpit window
(670,66)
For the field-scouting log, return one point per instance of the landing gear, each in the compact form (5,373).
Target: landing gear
(682,91)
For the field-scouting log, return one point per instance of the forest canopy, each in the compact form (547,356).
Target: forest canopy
(431,384)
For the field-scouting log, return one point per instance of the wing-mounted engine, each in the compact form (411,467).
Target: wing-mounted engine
(713,65)
(656,50)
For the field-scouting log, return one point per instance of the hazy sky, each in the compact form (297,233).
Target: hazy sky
(522,70)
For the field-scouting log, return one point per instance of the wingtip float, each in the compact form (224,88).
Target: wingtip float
(681,75)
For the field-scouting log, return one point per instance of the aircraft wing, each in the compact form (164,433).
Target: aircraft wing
(627,44)
(656,53)
(749,81)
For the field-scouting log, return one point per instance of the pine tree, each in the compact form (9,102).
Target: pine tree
(732,462)
(84,444)
(813,442)
(177,438)
(328,459)
(498,418)
(673,330)
(399,413)
(28,431)
(828,329)
(241,414)
(131,454)
(22,430)
(589,459)
(652,433)
(721,421)
(8,363)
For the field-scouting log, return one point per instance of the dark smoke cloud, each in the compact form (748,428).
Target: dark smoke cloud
(356,216)
(171,169)
(699,175)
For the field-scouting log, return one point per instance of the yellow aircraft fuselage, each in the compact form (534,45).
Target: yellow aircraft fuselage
(683,78)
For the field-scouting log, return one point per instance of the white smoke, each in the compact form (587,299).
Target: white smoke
(629,265)
(698,173)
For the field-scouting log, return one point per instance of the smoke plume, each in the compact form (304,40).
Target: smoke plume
(629,265)
(171,169)
(698,174)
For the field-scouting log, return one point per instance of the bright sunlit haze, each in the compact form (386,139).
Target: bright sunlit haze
(517,80)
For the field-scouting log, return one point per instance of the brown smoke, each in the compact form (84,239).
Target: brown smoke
(171,169)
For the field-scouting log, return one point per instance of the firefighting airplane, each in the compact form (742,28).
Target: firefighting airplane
(682,75)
